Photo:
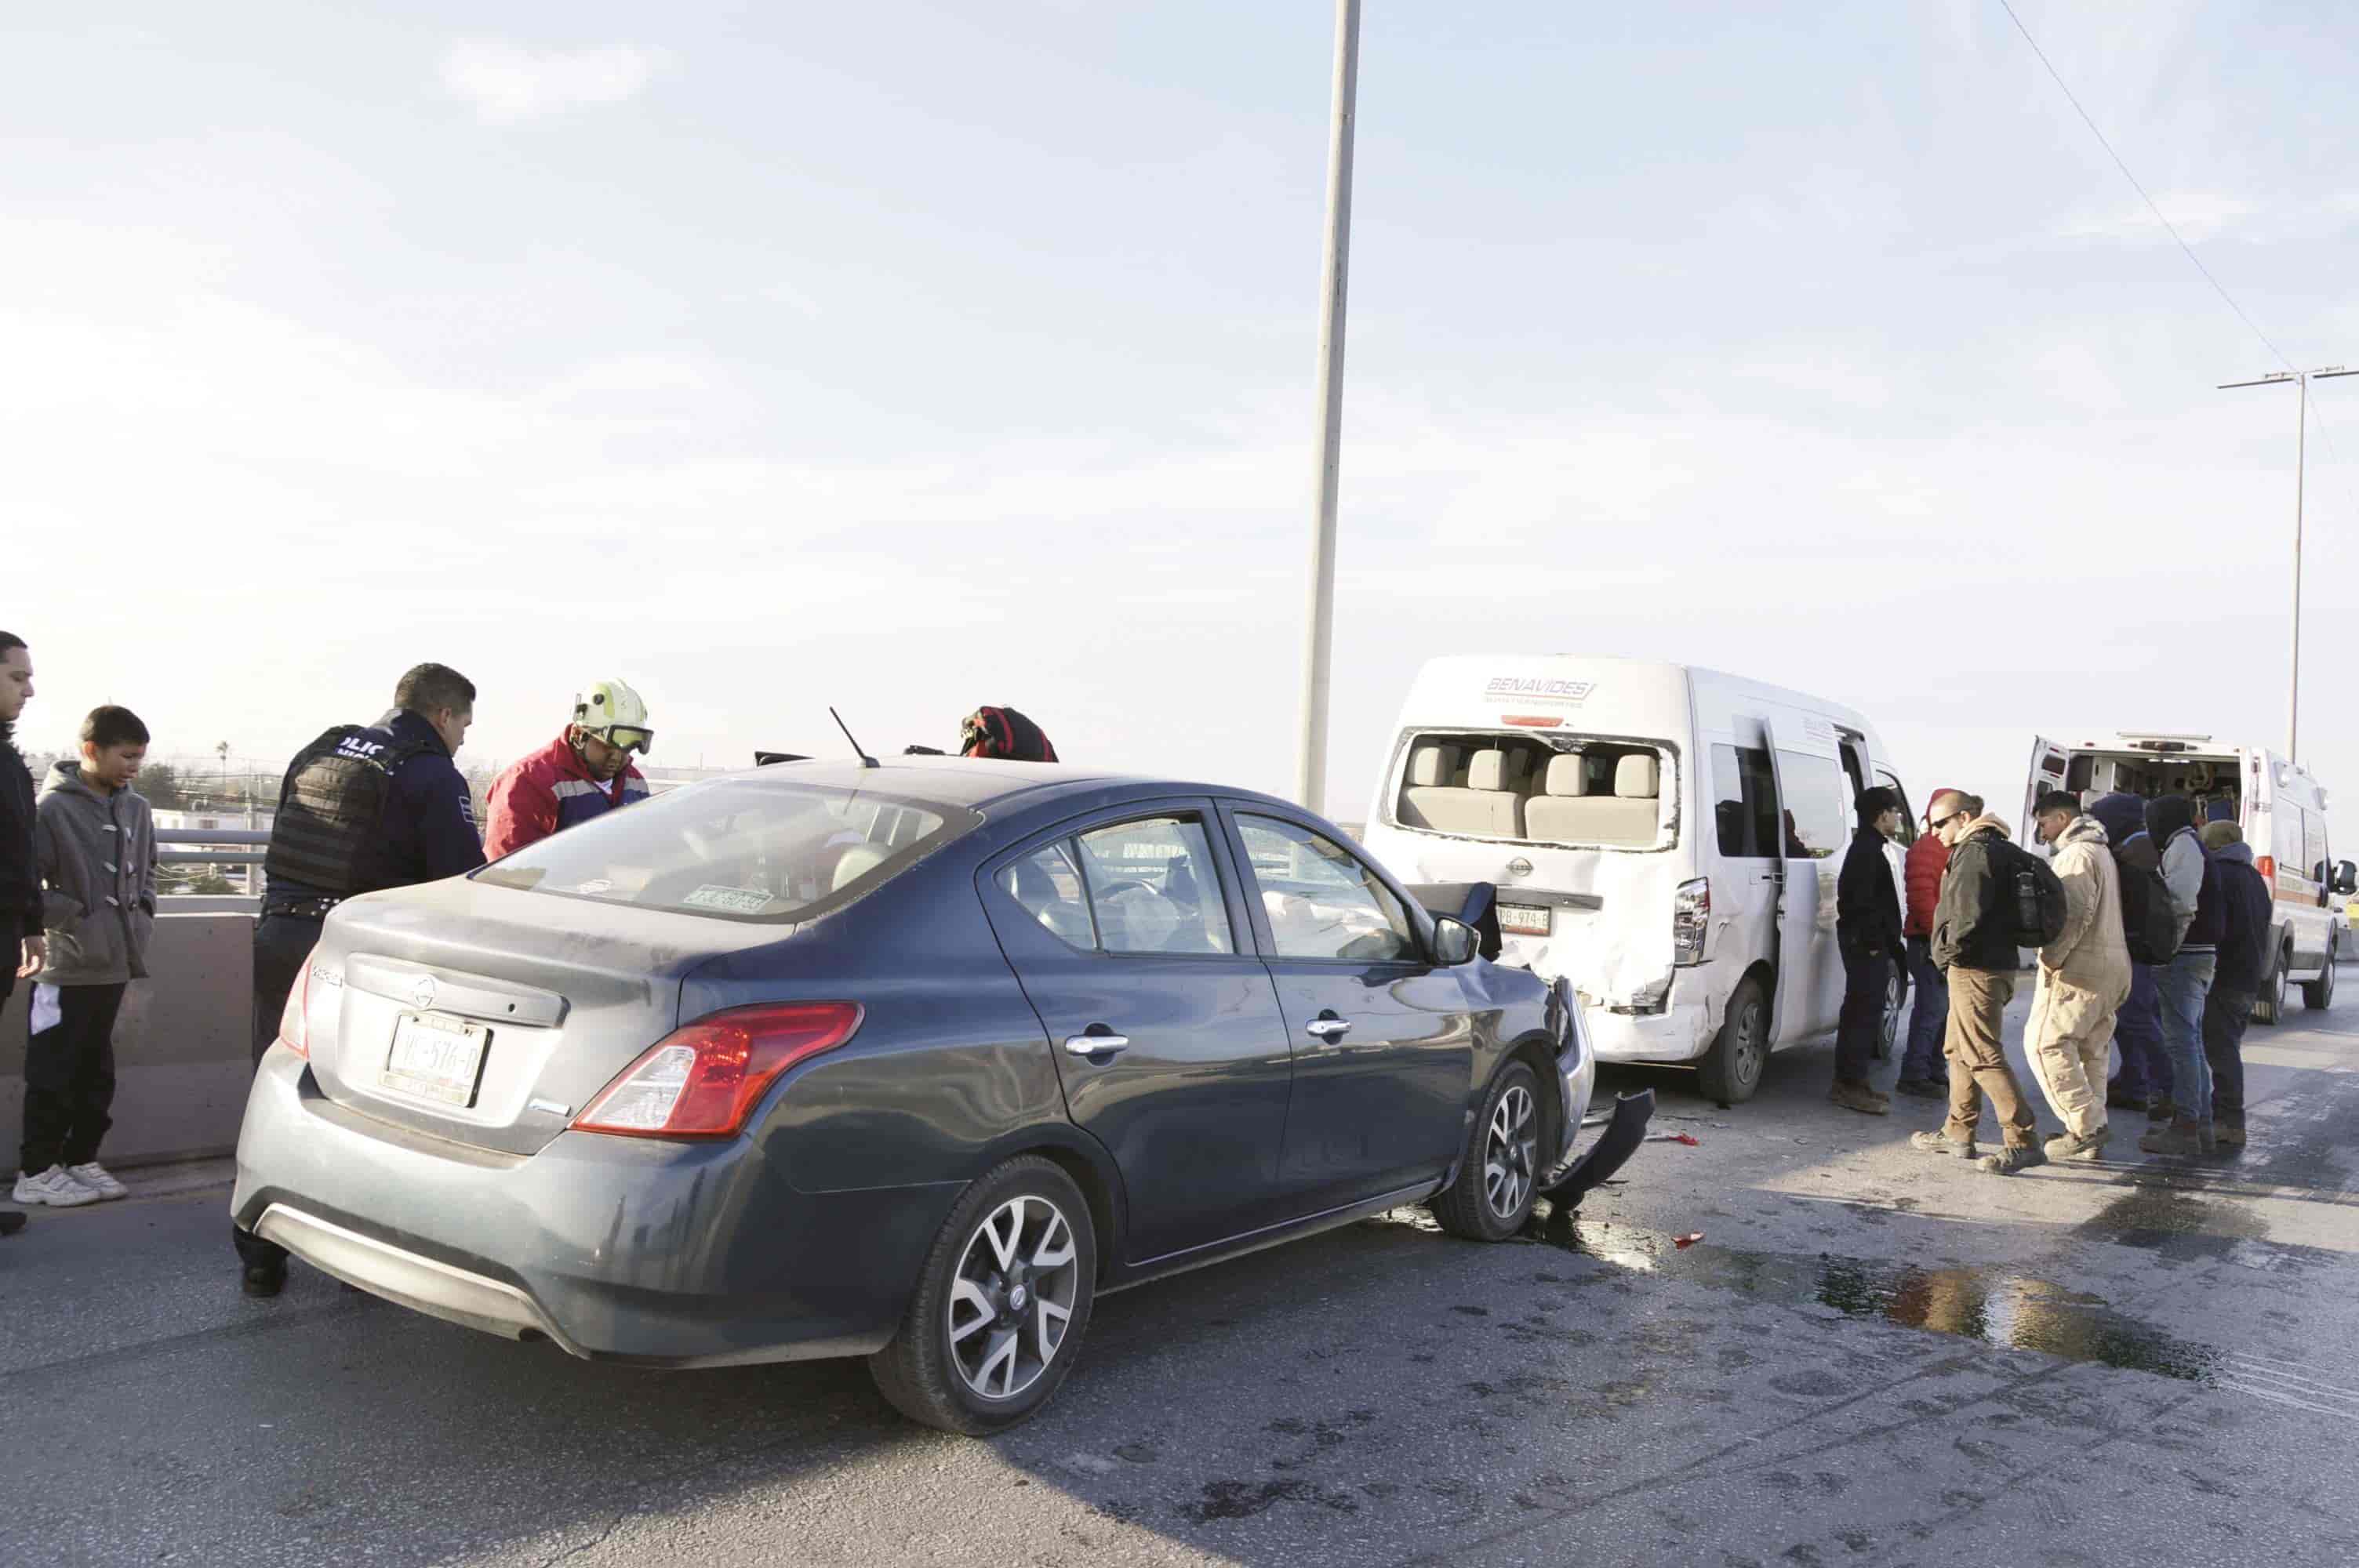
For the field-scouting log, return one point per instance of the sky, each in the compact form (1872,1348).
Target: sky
(905,357)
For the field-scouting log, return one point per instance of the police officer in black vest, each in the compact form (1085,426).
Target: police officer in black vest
(363,808)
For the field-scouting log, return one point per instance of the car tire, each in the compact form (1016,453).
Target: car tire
(980,1348)
(1498,1176)
(1731,1069)
(1887,1027)
(2318,995)
(2270,1006)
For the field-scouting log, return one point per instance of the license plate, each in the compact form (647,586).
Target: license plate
(435,1058)
(1524,919)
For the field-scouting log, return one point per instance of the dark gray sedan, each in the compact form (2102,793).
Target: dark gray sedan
(906,1061)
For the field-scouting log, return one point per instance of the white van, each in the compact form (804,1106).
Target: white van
(2280,807)
(1667,836)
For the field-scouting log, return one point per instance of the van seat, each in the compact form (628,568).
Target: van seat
(1485,805)
(1568,814)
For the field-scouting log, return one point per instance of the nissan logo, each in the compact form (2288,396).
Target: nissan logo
(422,993)
(1519,867)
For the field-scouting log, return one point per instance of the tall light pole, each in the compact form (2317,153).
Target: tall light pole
(1311,762)
(2301,380)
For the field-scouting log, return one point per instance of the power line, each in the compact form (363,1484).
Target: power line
(2151,205)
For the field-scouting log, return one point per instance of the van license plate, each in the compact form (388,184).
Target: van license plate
(436,1058)
(1524,919)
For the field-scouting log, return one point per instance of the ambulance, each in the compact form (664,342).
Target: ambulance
(1666,836)
(2280,807)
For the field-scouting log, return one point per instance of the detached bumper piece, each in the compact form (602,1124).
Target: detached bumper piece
(1624,1133)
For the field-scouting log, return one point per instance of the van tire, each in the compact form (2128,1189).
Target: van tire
(2318,995)
(1731,1069)
(2270,1006)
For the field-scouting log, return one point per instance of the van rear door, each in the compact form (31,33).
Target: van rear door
(1811,827)
(2049,764)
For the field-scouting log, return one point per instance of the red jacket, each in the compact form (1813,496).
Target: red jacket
(1929,857)
(547,792)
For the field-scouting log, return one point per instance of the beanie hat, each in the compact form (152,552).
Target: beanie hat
(1875,802)
(2220,834)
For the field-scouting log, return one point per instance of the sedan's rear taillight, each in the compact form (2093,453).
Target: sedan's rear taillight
(294,1025)
(702,1080)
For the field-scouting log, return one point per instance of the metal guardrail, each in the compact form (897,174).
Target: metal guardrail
(257,842)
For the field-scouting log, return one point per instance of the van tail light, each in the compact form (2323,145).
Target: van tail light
(703,1080)
(1690,918)
(2267,866)
(294,1021)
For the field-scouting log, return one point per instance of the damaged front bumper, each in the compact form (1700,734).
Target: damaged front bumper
(1576,1170)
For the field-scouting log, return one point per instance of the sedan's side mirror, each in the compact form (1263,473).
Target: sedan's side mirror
(1454,941)
(2346,879)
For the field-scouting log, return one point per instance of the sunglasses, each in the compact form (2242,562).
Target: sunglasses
(1941,822)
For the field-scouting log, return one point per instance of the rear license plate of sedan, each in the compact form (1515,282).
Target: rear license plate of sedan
(436,1058)
(1524,919)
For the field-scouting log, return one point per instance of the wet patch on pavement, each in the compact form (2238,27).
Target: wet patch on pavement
(1995,1305)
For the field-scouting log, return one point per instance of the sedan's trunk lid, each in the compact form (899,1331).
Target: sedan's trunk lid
(490,1016)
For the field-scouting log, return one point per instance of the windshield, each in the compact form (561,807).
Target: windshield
(1602,791)
(736,848)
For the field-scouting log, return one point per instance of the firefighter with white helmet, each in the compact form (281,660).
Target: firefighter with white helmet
(585,773)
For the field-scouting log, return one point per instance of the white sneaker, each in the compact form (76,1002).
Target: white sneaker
(98,1179)
(53,1187)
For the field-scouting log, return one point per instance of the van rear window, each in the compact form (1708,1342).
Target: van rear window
(1575,790)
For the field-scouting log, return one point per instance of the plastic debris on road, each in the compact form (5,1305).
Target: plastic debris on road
(1690,1139)
(1689,1240)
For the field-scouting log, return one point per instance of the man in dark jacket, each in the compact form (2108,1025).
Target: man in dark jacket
(1867,931)
(425,831)
(1974,940)
(22,947)
(1921,1073)
(2247,914)
(2144,1082)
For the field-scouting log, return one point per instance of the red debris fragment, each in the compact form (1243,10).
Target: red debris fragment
(1689,1240)
(1690,1139)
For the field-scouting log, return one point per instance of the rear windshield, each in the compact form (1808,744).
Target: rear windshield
(1610,792)
(736,850)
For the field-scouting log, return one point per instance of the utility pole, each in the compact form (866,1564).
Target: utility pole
(1310,763)
(2301,380)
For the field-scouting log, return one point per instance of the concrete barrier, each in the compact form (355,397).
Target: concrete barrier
(183,1048)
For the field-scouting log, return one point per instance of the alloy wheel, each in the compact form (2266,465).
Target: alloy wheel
(1510,1153)
(1012,1298)
(1752,1027)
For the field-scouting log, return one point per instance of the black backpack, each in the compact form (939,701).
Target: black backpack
(2146,922)
(330,807)
(2031,895)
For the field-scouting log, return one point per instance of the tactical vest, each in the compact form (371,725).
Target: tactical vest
(331,807)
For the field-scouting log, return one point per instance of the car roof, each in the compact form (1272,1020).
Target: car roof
(983,783)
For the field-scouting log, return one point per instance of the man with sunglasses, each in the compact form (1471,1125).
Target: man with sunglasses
(585,773)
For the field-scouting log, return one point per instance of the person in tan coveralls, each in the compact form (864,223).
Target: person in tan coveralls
(2084,978)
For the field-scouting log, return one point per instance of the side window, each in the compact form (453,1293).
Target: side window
(1048,884)
(2313,839)
(1907,816)
(1745,803)
(1816,807)
(1322,901)
(1154,889)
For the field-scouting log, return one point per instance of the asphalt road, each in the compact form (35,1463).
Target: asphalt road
(1872,1357)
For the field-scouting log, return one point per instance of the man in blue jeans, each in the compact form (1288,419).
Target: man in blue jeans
(2144,1081)
(2193,883)
(1923,1072)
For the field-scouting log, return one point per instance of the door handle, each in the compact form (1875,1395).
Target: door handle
(1096,1045)
(1327,1029)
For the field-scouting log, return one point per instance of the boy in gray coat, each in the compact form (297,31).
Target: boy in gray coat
(94,846)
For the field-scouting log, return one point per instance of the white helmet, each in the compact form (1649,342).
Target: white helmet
(612,712)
